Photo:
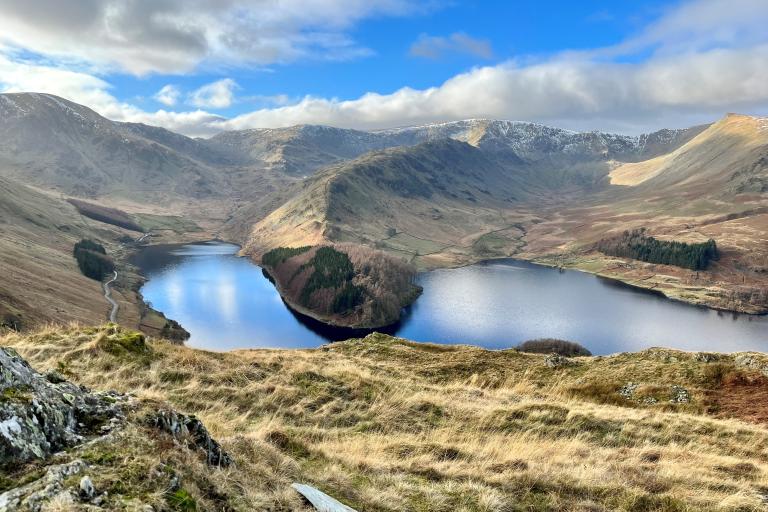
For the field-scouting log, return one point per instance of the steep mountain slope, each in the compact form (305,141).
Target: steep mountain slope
(57,144)
(298,150)
(40,280)
(730,157)
(714,186)
(533,142)
(415,200)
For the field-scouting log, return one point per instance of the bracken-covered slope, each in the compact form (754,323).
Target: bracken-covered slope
(729,158)
(714,186)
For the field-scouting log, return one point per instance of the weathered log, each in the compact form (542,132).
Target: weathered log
(321,501)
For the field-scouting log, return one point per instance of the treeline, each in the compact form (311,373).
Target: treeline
(277,256)
(637,245)
(92,259)
(331,269)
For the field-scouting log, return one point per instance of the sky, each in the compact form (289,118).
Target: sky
(199,67)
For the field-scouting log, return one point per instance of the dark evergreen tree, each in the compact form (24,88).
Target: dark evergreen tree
(92,259)
(637,245)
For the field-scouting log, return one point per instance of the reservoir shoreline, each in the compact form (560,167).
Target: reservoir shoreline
(446,319)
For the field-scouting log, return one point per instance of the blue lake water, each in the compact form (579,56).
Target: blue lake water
(226,302)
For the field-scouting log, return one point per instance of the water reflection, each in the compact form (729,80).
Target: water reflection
(227,302)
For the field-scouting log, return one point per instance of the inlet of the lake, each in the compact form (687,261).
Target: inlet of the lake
(226,302)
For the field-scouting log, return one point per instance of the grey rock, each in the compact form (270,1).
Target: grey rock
(708,357)
(35,494)
(39,417)
(628,390)
(191,431)
(87,491)
(752,362)
(557,361)
(680,395)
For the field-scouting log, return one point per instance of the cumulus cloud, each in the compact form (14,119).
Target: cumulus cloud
(671,80)
(176,36)
(168,95)
(219,94)
(573,93)
(435,47)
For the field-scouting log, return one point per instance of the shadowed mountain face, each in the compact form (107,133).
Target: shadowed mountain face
(58,144)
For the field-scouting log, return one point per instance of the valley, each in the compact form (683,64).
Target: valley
(227,303)
(383,256)
(438,196)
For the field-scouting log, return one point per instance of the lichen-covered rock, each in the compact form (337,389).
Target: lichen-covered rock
(628,390)
(708,357)
(87,491)
(40,416)
(753,362)
(557,361)
(680,395)
(190,430)
(33,495)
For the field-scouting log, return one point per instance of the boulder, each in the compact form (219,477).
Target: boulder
(557,361)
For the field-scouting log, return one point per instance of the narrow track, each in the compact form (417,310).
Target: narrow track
(108,296)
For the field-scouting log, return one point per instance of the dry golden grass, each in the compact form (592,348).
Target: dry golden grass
(386,424)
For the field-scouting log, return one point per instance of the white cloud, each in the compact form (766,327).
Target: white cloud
(434,47)
(168,95)
(685,80)
(176,36)
(579,94)
(219,94)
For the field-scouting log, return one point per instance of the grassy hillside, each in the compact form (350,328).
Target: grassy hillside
(420,202)
(386,424)
(709,188)
(40,281)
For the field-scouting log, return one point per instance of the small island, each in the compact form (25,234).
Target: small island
(343,285)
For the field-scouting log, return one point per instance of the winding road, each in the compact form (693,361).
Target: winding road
(108,296)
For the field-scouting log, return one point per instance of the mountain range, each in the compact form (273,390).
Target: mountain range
(438,195)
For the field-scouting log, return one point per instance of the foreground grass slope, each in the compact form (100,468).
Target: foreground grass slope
(382,423)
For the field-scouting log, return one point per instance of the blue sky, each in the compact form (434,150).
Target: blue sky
(202,66)
(511,29)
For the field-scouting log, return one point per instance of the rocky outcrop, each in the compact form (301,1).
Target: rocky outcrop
(557,361)
(53,426)
(40,415)
(752,362)
(191,431)
(34,495)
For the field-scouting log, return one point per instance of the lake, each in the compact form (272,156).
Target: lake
(226,302)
